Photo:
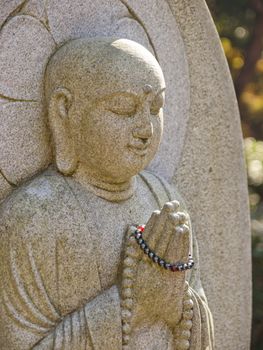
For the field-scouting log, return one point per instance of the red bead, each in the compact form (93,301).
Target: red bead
(174,268)
(141,228)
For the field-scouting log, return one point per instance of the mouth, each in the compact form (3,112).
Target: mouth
(140,150)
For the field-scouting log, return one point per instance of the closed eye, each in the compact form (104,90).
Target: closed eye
(123,104)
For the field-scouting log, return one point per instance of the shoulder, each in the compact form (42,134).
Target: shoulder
(162,188)
(37,193)
(41,202)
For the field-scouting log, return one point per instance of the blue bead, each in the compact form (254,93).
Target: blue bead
(146,250)
(167,266)
(156,259)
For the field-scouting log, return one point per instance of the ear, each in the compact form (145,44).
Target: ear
(58,115)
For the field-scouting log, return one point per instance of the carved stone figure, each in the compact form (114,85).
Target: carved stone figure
(72,273)
(81,166)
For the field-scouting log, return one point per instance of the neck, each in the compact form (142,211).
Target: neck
(111,191)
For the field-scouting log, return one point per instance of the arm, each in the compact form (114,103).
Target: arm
(95,326)
(196,316)
(29,318)
(195,324)
(183,308)
(50,295)
(202,329)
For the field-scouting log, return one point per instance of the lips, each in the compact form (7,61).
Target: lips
(139,148)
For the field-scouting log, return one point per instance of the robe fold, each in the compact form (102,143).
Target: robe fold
(57,289)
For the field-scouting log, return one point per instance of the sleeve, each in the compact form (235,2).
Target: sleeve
(30,312)
(96,326)
(202,332)
(202,328)
(25,324)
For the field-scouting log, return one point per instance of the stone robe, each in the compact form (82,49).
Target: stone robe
(60,254)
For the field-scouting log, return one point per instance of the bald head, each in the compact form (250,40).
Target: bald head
(93,68)
(104,96)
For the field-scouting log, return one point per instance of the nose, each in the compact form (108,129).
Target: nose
(143,129)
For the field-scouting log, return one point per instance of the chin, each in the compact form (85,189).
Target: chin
(129,165)
(134,169)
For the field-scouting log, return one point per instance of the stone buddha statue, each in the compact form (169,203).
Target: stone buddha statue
(73,273)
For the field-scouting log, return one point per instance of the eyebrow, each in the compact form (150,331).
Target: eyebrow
(132,95)
(115,94)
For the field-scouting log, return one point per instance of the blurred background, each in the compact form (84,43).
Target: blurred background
(240,26)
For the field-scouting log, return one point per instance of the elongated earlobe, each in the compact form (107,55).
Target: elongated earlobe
(65,155)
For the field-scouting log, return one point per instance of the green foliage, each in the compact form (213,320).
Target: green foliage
(233,7)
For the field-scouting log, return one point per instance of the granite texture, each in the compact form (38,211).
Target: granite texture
(200,153)
(30,143)
(44,26)
(9,7)
(72,274)
(212,178)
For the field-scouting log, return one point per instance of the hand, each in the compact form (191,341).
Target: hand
(157,293)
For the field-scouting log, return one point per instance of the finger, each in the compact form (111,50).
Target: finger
(176,205)
(173,219)
(184,247)
(157,229)
(182,217)
(132,249)
(179,245)
(150,224)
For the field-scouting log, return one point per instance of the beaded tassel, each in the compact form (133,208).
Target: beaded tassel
(183,330)
(128,277)
(177,266)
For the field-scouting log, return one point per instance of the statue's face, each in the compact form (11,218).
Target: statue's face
(117,89)
(121,132)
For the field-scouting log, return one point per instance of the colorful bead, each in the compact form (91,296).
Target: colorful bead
(156,259)
(174,268)
(138,235)
(179,266)
(161,262)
